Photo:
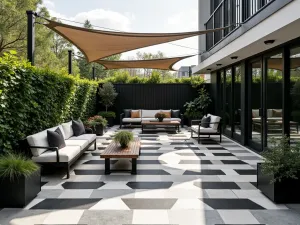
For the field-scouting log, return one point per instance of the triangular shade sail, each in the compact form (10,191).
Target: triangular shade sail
(160,64)
(98,44)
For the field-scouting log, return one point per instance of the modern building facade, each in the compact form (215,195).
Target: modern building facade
(254,66)
(183,71)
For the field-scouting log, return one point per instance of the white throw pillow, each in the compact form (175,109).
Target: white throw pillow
(214,121)
(38,139)
(67,130)
(149,113)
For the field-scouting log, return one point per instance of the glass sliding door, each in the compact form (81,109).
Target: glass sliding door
(295,95)
(255,105)
(228,102)
(273,99)
(237,100)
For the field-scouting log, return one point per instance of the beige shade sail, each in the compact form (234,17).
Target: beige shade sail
(98,44)
(160,64)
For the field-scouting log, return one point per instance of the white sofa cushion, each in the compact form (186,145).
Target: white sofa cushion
(172,119)
(132,120)
(68,130)
(66,154)
(214,121)
(149,113)
(210,130)
(149,119)
(81,143)
(89,137)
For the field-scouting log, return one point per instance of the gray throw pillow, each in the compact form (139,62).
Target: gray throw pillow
(127,113)
(175,113)
(56,138)
(78,127)
(205,122)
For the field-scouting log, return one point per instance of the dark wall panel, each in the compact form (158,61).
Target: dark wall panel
(153,96)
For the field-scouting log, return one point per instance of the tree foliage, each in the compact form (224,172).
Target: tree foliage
(108,95)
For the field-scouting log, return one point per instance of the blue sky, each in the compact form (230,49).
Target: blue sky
(137,16)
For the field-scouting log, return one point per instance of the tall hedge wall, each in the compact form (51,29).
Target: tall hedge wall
(33,99)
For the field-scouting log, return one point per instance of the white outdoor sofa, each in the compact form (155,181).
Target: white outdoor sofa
(43,154)
(149,115)
(215,127)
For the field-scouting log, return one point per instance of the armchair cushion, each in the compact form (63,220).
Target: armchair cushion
(205,121)
(66,154)
(78,127)
(214,121)
(209,130)
(56,139)
(175,113)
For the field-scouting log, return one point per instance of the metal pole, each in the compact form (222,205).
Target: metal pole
(94,75)
(70,62)
(30,36)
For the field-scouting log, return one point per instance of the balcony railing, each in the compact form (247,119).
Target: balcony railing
(234,13)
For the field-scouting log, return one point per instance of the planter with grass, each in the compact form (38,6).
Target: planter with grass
(123,138)
(109,116)
(20,181)
(278,177)
(97,123)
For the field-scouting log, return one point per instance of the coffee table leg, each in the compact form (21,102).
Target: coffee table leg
(107,166)
(142,128)
(133,171)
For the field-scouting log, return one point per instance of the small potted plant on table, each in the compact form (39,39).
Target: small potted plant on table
(123,138)
(97,123)
(20,181)
(160,116)
(278,176)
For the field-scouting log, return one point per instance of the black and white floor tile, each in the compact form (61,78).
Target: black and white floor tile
(179,182)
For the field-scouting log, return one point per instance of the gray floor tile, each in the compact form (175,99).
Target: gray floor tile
(106,217)
(277,217)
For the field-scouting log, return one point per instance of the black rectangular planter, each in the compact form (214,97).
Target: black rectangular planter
(19,192)
(286,191)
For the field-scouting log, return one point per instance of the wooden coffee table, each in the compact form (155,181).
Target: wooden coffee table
(147,124)
(114,150)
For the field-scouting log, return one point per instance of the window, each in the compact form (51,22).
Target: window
(228,101)
(237,100)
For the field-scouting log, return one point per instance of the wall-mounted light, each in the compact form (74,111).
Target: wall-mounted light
(219,64)
(234,57)
(269,42)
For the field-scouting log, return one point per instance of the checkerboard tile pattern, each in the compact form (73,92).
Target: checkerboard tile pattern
(179,182)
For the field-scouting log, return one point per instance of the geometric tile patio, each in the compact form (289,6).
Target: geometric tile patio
(179,182)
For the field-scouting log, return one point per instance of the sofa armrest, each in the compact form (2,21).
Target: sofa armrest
(122,115)
(88,130)
(49,148)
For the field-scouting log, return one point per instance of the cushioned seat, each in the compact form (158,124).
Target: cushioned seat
(66,154)
(172,119)
(132,120)
(195,128)
(81,143)
(89,137)
(149,119)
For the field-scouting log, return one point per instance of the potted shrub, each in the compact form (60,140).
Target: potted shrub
(97,123)
(160,116)
(108,96)
(278,176)
(123,138)
(20,181)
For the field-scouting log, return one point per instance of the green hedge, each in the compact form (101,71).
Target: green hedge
(33,99)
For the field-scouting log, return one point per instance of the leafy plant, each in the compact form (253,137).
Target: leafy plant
(96,120)
(108,95)
(124,138)
(160,115)
(108,114)
(282,160)
(203,100)
(13,166)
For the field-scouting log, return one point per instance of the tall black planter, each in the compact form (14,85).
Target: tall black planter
(99,130)
(286,191)
(19,192)
(110,121)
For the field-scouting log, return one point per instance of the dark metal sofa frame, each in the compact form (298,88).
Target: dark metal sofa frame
(139,123)
(65,165)
(198,122)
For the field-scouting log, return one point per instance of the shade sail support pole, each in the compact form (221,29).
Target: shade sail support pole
(70,61)
(94,72)
(30,36)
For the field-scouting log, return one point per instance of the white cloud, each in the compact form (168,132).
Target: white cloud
(49,4)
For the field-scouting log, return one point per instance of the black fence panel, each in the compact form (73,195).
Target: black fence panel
(152,96)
